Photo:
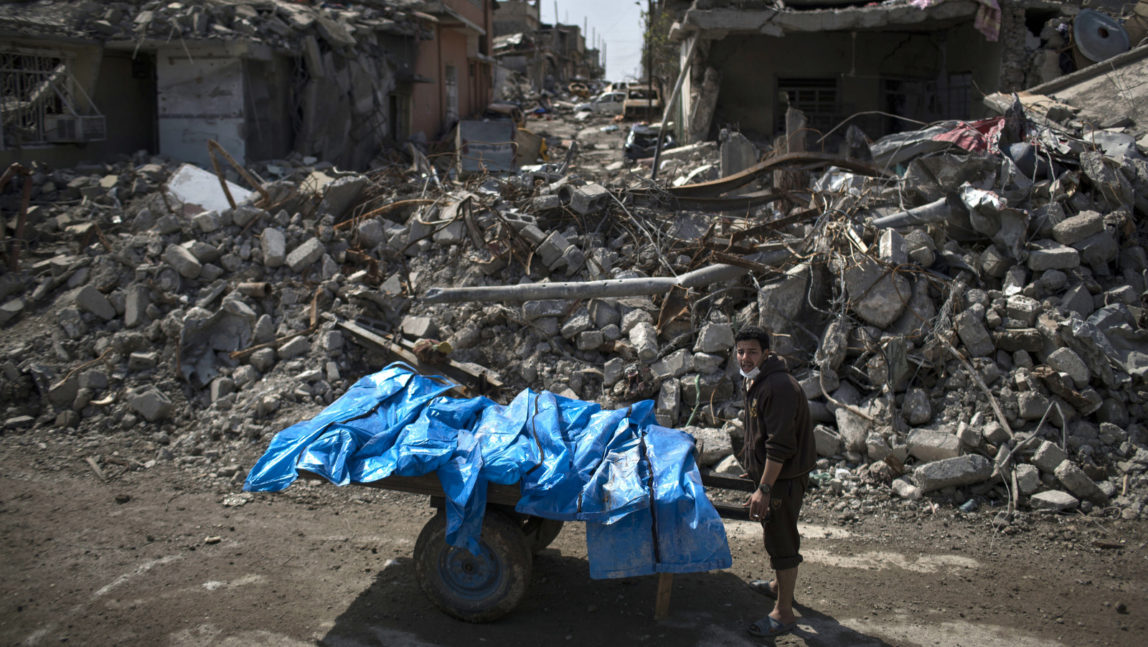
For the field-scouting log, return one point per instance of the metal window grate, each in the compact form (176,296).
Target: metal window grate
(37,103)
(817,98)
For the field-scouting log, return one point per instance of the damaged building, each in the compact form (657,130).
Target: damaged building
(891,66)
(89,80)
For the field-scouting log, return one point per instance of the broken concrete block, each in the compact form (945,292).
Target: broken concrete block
(274,244)
(714,338)
(293,348)
(89,299)
(143,360)
(1031,405)
(993,433)
(550,250)
(852,428)
(576,324)
(916,407)
(221,387)
(1077,228)
(1048,255)
(781,301)
(675,364)
(10,310)
(585,200)
(589,340)
(644,339)
(419,327)
(876,447)
(151,403)
(183,261)
(892,247)
(1064,360)
(952,472)
(1078,483)
(1023,309)
(878,293)
(906,490)
(612,371)
(712,444)
(304,255)
(1098,250)
(933,444)
(371,233)
(635,317)
(973,334)
(1048,457)
(342,194)
(1027,478)
(263,359)
(207,221)
(669,403)
(706,363)
(1013,340)
(714,387)
(603,313)
(1054,500)
(135,306)
(827,441)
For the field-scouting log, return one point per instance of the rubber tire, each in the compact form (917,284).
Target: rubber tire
(474,588)
(541,532)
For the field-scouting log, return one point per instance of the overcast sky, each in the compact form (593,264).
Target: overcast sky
(617,24)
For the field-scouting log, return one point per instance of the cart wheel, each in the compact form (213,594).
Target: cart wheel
(475,588)
(540,532)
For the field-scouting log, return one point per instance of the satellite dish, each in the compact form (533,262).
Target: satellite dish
(1098,36)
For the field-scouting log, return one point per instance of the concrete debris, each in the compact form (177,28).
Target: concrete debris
(949,322)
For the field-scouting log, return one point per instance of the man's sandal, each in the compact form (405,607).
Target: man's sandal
(768,627)
(764,587)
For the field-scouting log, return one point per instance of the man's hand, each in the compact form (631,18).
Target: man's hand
(758,505)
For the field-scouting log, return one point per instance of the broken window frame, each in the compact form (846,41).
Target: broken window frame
(38,105)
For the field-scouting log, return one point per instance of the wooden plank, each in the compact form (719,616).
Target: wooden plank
(665,588)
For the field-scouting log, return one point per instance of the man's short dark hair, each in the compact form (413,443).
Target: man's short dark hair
(751,333)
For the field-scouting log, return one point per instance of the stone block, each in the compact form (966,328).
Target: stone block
(1031,405)
(151,403)
(1048,457)
(293,348)
(878,294)
(143,360)
(1079,300)
(916,407)
(587,199)
(993,433)
(135,306)
(827,441)
(1098,250)
(532,310)
(576,324)
(713,444)
(1078,483)
(852,428)
(263,359)
(221,387)
(332,341)
(876,447)
(89,299)
(550,250)
(371,233)
(10,310)
(669,403)
(644,339)
(714,338)
(305,254)
(342,194)
(1064,360)
(635,317)
(95,379)
(706,363)
(892,247)
(612,371)
(675,364)
(1023,309)
(590,340)
(933,444)
(906,490)
(781,301)
(274,244)
(1054,500)
(183,261)
(974,336)
(1027,478)
(207,221)
(419,327)
(1077,228)
(953,472)
(1050,256)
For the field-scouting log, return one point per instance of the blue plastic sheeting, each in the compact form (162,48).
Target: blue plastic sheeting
(633,482)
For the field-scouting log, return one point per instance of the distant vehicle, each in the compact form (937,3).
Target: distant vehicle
(642,140)
(618,86)
(607,103)
(642,102)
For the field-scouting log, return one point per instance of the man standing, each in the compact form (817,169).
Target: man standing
(779,453)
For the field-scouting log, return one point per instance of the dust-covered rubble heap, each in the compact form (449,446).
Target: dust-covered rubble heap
(971,329)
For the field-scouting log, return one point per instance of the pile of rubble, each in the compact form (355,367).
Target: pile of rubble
(969,326)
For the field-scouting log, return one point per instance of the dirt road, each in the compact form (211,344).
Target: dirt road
(176,555)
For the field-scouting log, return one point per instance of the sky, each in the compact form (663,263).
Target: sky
(616,23)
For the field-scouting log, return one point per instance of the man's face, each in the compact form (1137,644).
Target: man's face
(749,355)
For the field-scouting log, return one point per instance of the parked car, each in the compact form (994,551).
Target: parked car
(642,140)
(642,102)
(607,103)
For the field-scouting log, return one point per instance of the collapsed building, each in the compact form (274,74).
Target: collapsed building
(87,80)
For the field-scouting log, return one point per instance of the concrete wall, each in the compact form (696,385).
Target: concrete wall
(751,66)
(267,108)
(516,16)
(455,47)
(200,99)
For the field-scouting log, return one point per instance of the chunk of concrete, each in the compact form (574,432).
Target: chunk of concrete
(714,338)
(878,294)
(1078,483)
(419,327)
(1048,457)
(274,244)
(953,472)
(1054,500)
(89,299)
(10,310)
(933,445)
(589,340)
(1077,228)
(1064,360)
(293,348)
(669,403)
(644,339)
(916,407)
(853,429)
(151,403)
(305,254)
(974,335)
(675,364)
(1051,256)
(1027,478)
(183,261)
(827,441)
(713,444)
(906,490)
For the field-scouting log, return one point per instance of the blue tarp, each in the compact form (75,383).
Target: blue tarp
(635,484)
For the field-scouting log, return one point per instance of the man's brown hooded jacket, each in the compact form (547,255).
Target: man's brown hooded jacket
(777,423)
